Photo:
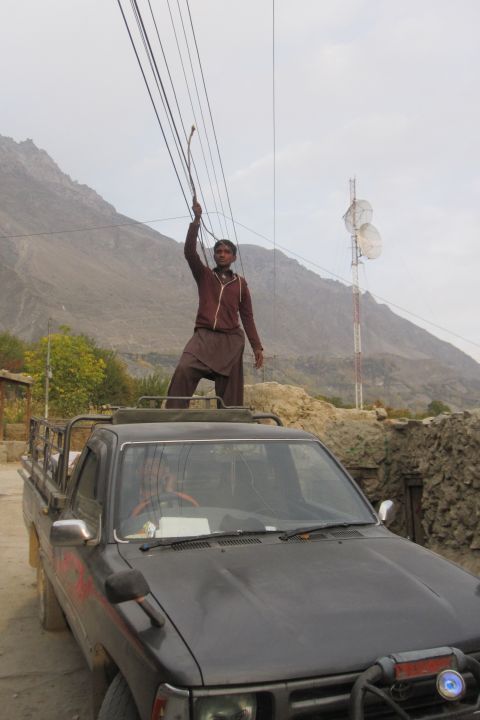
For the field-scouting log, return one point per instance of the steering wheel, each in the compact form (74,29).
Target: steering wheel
(153,499)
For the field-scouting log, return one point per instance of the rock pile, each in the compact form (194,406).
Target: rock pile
(356,437)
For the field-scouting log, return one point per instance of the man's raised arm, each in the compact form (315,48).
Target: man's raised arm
(190,249)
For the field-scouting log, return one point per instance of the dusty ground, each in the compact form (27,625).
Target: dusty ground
(42,674)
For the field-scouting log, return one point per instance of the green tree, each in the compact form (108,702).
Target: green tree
(437,407)
(76,372)
(117,386)
(12,353)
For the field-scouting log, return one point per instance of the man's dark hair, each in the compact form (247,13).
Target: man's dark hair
(228,243)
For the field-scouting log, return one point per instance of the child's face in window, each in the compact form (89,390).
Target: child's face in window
(156,477)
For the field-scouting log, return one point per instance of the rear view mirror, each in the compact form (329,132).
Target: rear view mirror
(131,585)
(387,512)
(70,533)
(126,585)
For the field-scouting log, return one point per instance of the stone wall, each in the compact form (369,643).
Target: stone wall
(14,443)
(12,450)
(443,453)
(15,431)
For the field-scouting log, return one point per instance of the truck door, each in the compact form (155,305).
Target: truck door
(74,564)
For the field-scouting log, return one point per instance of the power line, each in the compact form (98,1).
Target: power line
(194,115)
(160,86)
(153,102)
(201,108)
(94,227)
(163,96)
(264,237)
(215,136)
(180,112)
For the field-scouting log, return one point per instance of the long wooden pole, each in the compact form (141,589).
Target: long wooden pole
(2,405)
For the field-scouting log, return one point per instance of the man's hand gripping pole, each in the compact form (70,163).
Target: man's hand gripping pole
(196,207)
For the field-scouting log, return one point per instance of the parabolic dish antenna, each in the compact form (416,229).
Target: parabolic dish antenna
(359,213)
(369,241)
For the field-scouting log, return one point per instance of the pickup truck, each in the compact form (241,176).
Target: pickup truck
(215,566)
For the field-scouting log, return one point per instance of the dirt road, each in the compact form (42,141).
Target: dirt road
(42,674)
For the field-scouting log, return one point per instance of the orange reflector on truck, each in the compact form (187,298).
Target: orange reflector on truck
(422,668)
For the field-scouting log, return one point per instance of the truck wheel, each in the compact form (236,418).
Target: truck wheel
(49,610)
(118,703)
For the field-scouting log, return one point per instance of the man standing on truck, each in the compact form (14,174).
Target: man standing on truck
(215,351)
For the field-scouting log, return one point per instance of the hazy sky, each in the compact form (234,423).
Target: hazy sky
(383,90)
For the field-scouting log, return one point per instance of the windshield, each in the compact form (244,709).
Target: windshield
(169,490)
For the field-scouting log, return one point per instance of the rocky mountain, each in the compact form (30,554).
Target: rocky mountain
(129,287)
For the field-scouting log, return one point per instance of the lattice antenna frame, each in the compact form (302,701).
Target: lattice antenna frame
(366,242)
(357,335)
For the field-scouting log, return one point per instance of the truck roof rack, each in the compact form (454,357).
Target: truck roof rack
(155,412)
(206,401)
(149,415)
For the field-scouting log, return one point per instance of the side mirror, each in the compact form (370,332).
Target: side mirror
(70,533)
(126,585)
(131,585)
(387,512)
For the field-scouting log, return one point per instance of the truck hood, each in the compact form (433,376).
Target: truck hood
(276,611)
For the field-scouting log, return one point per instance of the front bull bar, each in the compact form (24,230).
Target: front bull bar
(414,666)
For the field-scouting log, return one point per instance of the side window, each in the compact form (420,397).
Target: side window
(86,503)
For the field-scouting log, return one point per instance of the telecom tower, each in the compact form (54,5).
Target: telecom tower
(366,242)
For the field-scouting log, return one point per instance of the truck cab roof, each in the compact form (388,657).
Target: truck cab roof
(203,431)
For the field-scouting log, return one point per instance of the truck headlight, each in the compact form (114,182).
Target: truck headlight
(451,685)
(226,707)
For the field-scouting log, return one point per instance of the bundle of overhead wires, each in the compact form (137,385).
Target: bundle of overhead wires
(172,71)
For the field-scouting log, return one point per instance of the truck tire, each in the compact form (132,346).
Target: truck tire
(118,703)
(49,609)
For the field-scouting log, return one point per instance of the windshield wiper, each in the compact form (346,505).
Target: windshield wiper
(168,542)
(318,528)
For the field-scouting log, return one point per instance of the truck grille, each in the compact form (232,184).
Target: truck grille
(329,699)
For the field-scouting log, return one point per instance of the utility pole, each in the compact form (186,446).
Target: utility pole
(357,340)
(48,371)
(366,242)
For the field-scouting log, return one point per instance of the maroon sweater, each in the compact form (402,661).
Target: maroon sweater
(219,305)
